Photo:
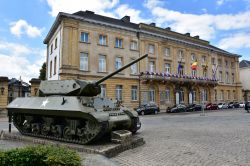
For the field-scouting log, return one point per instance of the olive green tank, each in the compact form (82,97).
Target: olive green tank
(71,111)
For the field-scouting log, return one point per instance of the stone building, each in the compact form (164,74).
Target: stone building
(85,45)
(245,79)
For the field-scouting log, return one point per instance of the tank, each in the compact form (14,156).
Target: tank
(71,111)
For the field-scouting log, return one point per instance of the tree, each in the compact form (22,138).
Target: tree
(42,75)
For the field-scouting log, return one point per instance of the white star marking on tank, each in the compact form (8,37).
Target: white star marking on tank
(45,102)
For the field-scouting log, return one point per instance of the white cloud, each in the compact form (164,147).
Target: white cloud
(220,2)
(21,27)
(204,25)
(99,6)
(15,61)
(124,9)
(236,41)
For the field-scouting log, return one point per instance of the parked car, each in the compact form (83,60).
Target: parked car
(247,106)
(149,108)
(220,105)
(231,105)
(236,105)
(211,106)
(193,107)
(242,104)
(176,108)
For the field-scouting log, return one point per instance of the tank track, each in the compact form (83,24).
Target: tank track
(22,123)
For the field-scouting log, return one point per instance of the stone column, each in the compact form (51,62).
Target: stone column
(35,83)
(3,92)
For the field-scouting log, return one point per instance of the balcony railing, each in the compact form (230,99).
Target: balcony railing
(167,77)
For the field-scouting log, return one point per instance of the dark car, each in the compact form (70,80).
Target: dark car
(247,107)
(236,105)
(231,105)
(193,107)
(211,106)
(149,108)
(176,108)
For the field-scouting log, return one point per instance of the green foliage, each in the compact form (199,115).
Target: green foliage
(42,75)
(40,156)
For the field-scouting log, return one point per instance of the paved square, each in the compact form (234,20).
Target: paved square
(218,138)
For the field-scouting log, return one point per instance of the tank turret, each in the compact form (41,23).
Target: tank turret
(71,111)
(78,87)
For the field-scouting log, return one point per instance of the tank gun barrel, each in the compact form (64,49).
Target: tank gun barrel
(119,70)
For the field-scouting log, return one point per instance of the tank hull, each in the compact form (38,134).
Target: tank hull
(66,118)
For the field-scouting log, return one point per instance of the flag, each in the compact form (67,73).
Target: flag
(194,65)
(179,67)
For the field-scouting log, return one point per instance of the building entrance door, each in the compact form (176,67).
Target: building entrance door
(177,98)
(190,97)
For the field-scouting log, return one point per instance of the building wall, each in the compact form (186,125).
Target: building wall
(72,47)
(4,94)
(245,79)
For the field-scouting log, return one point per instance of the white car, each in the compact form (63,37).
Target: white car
(242,104)
(222,105)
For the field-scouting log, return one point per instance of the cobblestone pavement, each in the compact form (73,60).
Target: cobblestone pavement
(218,138)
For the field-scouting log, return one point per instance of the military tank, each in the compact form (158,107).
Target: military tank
(71,111)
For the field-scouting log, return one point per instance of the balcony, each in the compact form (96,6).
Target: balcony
(175,78)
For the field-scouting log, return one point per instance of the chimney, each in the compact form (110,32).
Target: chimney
(197,37)
(126,19)
(152,24)
(187,34)
(168,28)
(89,12)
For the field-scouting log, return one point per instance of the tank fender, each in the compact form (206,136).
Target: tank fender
(131,113)
(100,116)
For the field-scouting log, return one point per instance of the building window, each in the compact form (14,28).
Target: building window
(221,95)
(55,65)
(118,92)
(167,68)
(134,90)
(193,58)
(151,66)
(181,55)
(213,61)
(232,77)
(194,73)
(85,37)
(165,95)
(118,43)
(118,63)
(151,49)
(133,68)
(55,43)
(102,63)
(51,49)
(220,76)
(219,62)
(181,96)
(167,51)
(204,73)
(228,95)
(133,45)
(226,63)
(168,95)
(204,95)
(194,96)
(232,64)
(103,91)
(215,95)
(227,78)
(234,94)
(50,67)
(151,95)
(103,40)
(84,62)
(203,59)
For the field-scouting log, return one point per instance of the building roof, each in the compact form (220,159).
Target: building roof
(244,63)
(125,23)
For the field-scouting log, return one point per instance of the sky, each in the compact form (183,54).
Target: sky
(25,23)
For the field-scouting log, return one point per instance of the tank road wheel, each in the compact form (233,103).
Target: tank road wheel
(45,129)
(56,130)
(36,128)
(67,133)
(88,132)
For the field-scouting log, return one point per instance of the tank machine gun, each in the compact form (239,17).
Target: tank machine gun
(71,111)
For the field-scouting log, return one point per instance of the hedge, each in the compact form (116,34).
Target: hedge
(40,156)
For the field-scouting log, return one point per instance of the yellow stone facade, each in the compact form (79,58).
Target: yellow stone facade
(71,46)
(3,92)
